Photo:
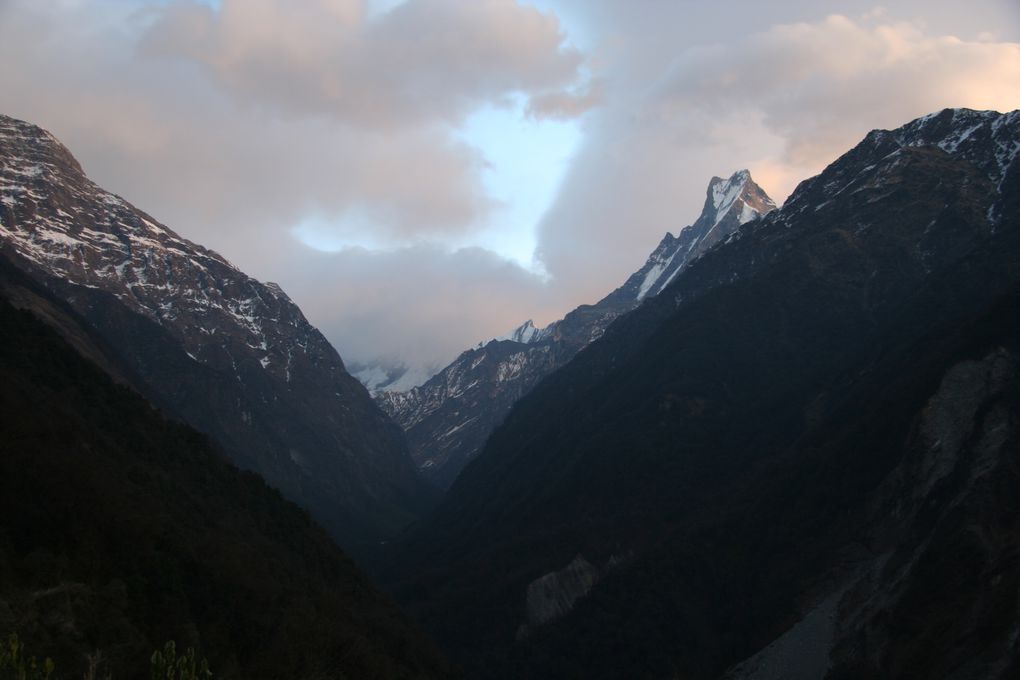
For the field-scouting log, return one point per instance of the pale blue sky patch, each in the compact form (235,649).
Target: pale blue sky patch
(377,7)
(525,162)
(354,229)
(526,159)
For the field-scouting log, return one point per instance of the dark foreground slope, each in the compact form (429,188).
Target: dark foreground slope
(120,530)
(817,422)
(231,356)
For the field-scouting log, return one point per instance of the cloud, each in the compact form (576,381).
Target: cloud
(196,152)
(566,105)
(173,141)
(783,100)
(423,304)
(243,122)
(817,84)
(422,61)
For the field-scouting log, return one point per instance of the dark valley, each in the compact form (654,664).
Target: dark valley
(122,529)
(232,357)
(797,460)
(449,418)
(787,447)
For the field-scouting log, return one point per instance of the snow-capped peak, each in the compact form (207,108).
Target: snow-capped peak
(525,333)
(725,192)
(738,191)
(729,204)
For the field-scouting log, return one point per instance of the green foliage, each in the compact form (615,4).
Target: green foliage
(166,665)
(15,664)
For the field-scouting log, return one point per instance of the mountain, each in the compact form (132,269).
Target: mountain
(122,530)
(389,374)
(449,417)
(729,204)
(799,460)
(230,356)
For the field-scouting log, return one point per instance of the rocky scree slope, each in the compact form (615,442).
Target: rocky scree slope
(449,417)
(815,422)
(233,357)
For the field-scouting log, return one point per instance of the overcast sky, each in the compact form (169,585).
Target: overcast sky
(422,175)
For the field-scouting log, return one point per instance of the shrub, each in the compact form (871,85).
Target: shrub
(166,665)
(15,665)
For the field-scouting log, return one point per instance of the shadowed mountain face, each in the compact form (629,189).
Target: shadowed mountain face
(800,455)
(121,530)
(231,356)
(448,419)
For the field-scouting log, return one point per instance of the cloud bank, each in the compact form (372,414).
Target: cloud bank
(782,100)
(248,125)
(422,61)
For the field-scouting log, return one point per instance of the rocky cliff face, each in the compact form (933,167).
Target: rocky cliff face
(552,596)
(940,598)
(449,417)
(231,356)
(935,598)
(807,440)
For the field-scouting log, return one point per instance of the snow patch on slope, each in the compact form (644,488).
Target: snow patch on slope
(94,239)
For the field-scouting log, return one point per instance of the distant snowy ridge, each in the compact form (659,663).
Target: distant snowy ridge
(526,333)
(390,375)
(449,417)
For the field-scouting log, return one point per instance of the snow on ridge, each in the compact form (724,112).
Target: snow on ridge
(961,135)
(952,143)
(512,367)
(725,193)
(962,138)
(747,213)
(390,378)
(651,277)
(411,379)
(526,334)
(92,238)
(658,268)
(734,193)
(33,159)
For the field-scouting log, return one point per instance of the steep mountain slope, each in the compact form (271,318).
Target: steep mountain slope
(449,417)
(233,357)
(120,530)
(729,204)
(816,422)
